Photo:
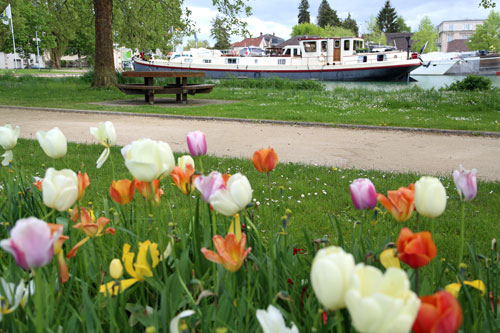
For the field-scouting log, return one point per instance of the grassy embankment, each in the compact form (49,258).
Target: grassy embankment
(281,100)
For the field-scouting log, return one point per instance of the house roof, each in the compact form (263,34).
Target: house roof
(399,40)
(465,20)
(457,45)
(270,40)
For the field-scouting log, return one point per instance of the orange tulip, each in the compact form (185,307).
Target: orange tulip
(59,252)
(230,253)
(90,228)
(122,191)
(440,312)
(400,203)
(83,182)
(416,250)
(145,189)
(264,160)
(184,180)
(38,184)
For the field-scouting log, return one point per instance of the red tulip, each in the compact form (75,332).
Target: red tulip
(265,160)
(438,313)
(416,250)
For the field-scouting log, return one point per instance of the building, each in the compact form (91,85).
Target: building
(450,31)
(399,40)
(263,42)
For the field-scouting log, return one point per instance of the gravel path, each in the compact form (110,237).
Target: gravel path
(400,151)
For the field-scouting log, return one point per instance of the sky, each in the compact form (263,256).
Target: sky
(279,16)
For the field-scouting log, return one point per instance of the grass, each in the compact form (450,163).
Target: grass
(298,101)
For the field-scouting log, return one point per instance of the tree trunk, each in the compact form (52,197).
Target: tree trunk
(55,57)
(104,68)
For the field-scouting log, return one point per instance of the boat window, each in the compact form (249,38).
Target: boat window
(231,61)
(358,44)
(207,61)
(323,46)
(362,59)
(287,52)
(380,57)
(310,46)
(347,45)
(281,61)
(295,52)
(337,44)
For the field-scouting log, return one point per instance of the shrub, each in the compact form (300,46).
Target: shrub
(471,82)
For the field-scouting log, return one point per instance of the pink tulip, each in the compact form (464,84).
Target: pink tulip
(466,182)
(363,194)
(31,243)
(210,184)
(197,143)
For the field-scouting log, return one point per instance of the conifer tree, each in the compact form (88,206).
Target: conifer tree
(304,16)
(350,24)
(387,18)
(327,16)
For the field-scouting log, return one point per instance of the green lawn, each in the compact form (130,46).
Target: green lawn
(292,101)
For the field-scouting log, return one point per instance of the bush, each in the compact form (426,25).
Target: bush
(471,82)
(273,83)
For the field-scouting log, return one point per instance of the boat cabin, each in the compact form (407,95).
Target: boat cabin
(330,50)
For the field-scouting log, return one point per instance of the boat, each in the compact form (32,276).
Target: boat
(437,63)
(328,59)
(458,63)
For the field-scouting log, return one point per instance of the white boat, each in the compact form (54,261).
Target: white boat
(437,63)
(329,59)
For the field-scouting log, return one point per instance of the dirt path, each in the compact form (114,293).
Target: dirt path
(345,148)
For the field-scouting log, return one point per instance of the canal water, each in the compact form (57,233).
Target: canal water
(423,81)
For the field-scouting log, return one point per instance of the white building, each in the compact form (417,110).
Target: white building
(449,31)
(7,61)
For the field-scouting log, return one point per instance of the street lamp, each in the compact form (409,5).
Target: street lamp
(37,50)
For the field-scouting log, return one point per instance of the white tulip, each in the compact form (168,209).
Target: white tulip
(148,160)
(184,160)
(174,323)
(331,272)
(430,197)
(53,142)
(14,295)
(59,189)
(236,196)
(8,140)
(381,302)
(272,321)
(106,135)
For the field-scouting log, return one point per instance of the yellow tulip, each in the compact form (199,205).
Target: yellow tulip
(389,258)
(454,288)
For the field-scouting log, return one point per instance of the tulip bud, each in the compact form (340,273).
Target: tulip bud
(363,194)
(430,197)
(53,142)
(330,274)
(59,189)
(272,321)
(417,249)
(264,160)
(83,183)
(8,140)
(147,159)
(439,312)
(116,269)
(197,143)
(466,182)
(105,133)
(184,160)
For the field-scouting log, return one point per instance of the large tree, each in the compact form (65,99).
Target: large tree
(309,29)
(219,32)
(192,43)
(487,35)
(387,18)
(374,35)
(350,24)
(327,16)
(402,26)
(426,33)
(304,16)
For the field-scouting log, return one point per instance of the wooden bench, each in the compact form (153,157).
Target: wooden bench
(180,88)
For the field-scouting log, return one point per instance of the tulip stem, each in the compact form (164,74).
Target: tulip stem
(201,163)
(462,232)
(48,215)
(339,318)
(416,281)
(112,164)
(38,300)
(271,202)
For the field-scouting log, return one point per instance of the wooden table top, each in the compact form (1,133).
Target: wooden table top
(164,74)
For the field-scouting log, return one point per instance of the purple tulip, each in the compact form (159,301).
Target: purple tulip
(363,194)
(30,243)
(466,182)
(210,184)
(197,143)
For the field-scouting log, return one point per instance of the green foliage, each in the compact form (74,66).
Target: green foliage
(402,27)
(327,15)
(193,44)
(374,35)
(426,33)
(487,35)
(274,83)
(220,33)
(471,82)
(387,18)
(487,3)
(310,29)
(350,24)
(304,16)
(330,31)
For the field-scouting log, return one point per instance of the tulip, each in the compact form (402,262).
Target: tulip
(265,160)
(59,252)
(363,194)
(416,250)
(53,142)
(13,296)
(454,288)
(430,197)
(381,302)
(466,182)
(184,161)
(331,271)
(209,185)
(271,321)
(174,323)
(440,312)
(116,269)
(83,183)
(184,179)
(230,253)
(106,135)
(90,228)
(399,203)
(197,143)
(8,140)
(389,258)
(236,196)
(147,259)
(122,191)
(145,189)
(147,159)
(30,243)
(59,189)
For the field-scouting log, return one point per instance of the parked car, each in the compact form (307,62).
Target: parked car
(127,65)
(252,52)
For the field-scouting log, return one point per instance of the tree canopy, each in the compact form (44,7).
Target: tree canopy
(350,24)
(304,16)
(327,16)
(220,34)
(314,30)
(487,35)
(402,27)
(374,35)
(426,33)
(387,18)
(190,44)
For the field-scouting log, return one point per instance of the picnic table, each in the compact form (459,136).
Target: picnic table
(181,88)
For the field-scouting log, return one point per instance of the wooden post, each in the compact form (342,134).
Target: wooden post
(149,95)
(184,92)
(178,84)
